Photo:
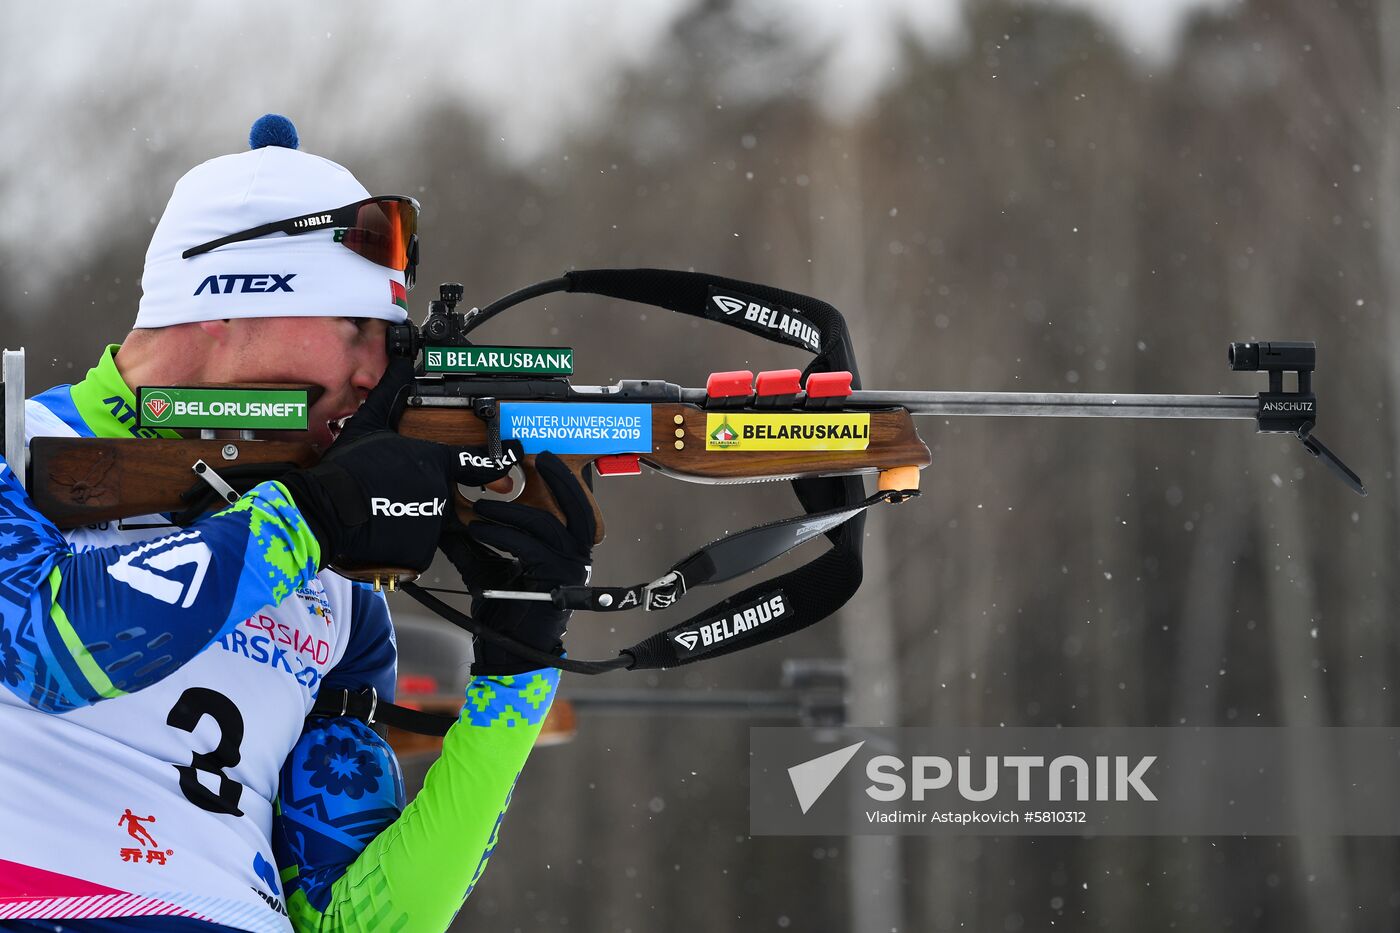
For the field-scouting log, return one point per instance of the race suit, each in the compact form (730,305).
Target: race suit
(158,763)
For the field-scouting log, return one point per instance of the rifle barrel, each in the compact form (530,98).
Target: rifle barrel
(1025,404)
(1063,404)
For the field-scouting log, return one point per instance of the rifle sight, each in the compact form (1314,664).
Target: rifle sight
(1275,356)
(444,326)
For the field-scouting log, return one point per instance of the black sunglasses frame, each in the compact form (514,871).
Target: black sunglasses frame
(319,220)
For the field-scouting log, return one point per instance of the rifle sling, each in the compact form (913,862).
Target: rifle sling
(767,610)
(365,705)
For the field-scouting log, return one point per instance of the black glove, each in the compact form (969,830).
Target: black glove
(548,554)
(377,499)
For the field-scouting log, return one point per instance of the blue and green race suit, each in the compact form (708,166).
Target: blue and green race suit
(160,770)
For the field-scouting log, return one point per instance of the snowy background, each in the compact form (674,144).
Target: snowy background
(1093,195)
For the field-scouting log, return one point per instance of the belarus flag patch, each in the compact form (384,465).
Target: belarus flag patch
(398,294)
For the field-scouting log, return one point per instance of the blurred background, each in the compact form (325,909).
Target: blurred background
(1086,195)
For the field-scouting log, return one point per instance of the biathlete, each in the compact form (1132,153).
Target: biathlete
(160,770)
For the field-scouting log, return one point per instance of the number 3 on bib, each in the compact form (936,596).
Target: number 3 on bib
(194,704)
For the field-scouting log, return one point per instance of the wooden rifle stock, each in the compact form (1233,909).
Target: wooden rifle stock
(78,481)
(83,481)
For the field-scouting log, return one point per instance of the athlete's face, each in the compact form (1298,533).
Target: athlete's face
(344,356)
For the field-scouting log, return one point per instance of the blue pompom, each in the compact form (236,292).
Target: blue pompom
(273,129)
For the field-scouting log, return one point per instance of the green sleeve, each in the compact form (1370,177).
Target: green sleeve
(416,872)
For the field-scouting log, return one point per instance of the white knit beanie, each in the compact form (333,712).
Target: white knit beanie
(307,275)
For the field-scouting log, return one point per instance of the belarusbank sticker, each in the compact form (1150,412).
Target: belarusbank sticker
(242,409)
(736,431)
(577,427)
(523,361)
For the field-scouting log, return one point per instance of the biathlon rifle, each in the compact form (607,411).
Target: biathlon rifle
(817,428)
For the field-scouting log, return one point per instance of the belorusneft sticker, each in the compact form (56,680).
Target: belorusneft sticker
(220,407)
(709,634)
(764,318)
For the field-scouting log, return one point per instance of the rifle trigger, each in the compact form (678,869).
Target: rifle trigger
(618,465)
(205,472)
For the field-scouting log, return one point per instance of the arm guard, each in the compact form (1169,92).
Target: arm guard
(80,626)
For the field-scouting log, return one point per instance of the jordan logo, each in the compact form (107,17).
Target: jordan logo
(152,855)
(135,829)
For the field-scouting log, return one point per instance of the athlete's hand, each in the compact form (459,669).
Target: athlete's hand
(548,554)
(377,499)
